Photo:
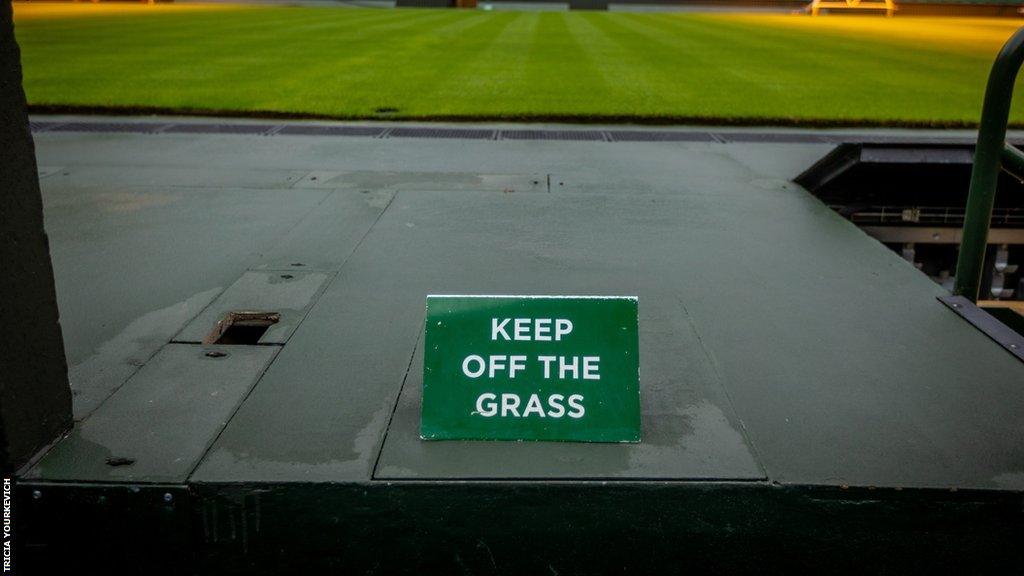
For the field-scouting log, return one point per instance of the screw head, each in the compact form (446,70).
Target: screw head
(36,494)
(168,497)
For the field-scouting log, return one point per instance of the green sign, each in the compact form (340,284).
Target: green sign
(531,368)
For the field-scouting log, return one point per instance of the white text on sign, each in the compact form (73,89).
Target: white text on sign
(507,404)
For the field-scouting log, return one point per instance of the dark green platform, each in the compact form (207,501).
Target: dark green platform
(802,388)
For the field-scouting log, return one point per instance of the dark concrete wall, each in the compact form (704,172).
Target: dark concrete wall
(35,400)
(425,3)
(588,4)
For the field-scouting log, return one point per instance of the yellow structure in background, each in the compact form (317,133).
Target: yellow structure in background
(98,1)
(24,11)
(975,35)
(888,5)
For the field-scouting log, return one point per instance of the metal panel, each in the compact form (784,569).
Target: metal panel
(125,127)
(315,130)
(875,384)
(42,125)
(364,329)
(688,431)
(601,528)
(465,133)
(659,136)
(993,328)
(765,279)
(769,137)
(573,135)
(884,138)
(63,526)
(326,237)
(289,293)
(849,155)
(212,128)
(159,424)
(180,247)
(916,155)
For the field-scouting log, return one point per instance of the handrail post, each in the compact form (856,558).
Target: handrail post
(995,114)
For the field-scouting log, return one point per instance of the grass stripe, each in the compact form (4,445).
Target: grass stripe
(345,63)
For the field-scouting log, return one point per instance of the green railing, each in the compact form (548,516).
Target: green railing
(991,154)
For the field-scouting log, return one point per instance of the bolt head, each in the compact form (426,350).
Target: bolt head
(168,497)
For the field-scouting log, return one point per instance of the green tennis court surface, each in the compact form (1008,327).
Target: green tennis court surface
(451,64)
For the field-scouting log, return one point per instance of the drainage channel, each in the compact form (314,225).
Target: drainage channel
(468,133)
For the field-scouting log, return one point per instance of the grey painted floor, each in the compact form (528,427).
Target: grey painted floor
(778,342)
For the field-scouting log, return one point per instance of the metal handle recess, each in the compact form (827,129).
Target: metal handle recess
(991,154)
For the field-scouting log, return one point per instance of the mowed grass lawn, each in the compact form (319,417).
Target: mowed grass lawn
(468,64)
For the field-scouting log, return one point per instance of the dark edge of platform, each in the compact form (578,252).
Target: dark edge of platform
(572,527)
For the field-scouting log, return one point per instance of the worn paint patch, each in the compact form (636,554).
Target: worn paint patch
(115,360)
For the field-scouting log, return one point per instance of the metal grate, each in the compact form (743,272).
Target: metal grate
(572,135)
(882,139)
(659,136)
(466,133)
(332,131)
(202,128)
(36,126)
(581,135)
(769,137)
(113,127)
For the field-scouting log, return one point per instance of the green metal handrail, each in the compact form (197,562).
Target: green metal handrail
(991,154)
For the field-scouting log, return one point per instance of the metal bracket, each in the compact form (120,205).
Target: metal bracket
(993,328)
